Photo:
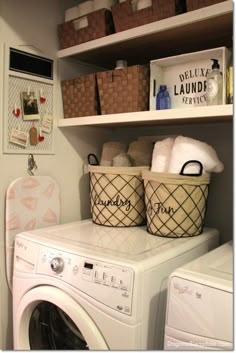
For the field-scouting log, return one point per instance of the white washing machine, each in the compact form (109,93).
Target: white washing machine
(85,286)
(199,313)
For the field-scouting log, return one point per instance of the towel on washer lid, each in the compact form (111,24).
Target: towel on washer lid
(161,155)
(186,148)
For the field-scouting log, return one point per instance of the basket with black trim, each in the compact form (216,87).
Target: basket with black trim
(175,204)
(117,196)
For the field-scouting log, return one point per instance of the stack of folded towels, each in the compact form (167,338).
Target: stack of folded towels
(118,154)
(169,156)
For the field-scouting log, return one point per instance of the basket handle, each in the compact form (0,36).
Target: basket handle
(92,159)
(154,88)
(189,174)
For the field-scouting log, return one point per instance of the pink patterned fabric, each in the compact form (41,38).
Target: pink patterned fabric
(31,203)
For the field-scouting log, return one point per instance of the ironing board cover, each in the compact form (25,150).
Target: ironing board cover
(31,202)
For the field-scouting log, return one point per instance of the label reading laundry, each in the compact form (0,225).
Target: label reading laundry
(192,86)
(117,202)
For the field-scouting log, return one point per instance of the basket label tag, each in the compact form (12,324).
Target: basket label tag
(118,202)
(158,207)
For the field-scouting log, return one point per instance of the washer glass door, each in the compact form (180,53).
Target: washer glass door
(47,318)
(51,328)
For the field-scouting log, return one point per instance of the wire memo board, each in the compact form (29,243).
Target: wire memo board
(15,85)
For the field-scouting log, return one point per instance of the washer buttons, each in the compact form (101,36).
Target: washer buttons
(75,270)
(119,307)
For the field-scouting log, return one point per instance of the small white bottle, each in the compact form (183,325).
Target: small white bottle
(214,85)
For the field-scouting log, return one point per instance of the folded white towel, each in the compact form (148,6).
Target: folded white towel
(161,155)
(186,148)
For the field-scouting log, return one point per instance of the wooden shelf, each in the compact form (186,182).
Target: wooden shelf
(205,28)
(211,114)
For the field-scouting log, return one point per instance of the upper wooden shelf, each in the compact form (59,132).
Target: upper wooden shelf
(219,113)
(205,28)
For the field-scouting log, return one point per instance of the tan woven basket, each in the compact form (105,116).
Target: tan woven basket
(100,24)
(197,4)
(117,196)
(80,96)
(124,90)
(175,204)
(124,17)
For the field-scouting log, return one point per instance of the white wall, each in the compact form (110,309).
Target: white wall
(34,23)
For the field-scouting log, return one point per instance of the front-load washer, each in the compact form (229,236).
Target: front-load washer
(86,286)
(199,313)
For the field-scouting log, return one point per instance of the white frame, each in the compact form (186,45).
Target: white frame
(10,73)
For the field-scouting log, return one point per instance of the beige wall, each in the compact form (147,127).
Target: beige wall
(34,23)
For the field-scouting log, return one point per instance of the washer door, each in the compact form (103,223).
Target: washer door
(47,318)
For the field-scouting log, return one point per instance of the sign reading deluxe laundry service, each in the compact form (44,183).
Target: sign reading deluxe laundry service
(185,77)
(190,88)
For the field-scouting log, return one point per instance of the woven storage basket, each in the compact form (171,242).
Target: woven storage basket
(197,4)
(100,24)
(175,204)
(124,17)
(117,196)
(80,96)
(124,90)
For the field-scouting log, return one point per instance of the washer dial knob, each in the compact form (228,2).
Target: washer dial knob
(57,264)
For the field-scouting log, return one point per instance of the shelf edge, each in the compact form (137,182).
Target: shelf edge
(175,115)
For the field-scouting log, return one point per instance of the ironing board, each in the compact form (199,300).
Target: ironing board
(31,202)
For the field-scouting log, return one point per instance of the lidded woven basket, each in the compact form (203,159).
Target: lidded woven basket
(100,24)
(124,90)
(197,4)
(80,96)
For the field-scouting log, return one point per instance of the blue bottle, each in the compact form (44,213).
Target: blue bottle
(163,98)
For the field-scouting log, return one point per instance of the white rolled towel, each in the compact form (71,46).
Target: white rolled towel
(186,148)
(161,155)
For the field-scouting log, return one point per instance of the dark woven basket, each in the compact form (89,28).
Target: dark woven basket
(100,24)
(197,4)
(124,90)
(80,96)
(125,18)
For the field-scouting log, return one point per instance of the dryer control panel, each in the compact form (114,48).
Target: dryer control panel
(107,283)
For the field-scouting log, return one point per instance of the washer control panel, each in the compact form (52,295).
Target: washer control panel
(108,283)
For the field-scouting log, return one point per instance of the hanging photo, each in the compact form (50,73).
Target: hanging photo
(29,106)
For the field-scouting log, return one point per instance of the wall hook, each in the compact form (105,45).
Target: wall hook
(31,164)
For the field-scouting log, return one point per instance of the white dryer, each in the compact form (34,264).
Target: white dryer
(199,314)
(85,286)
